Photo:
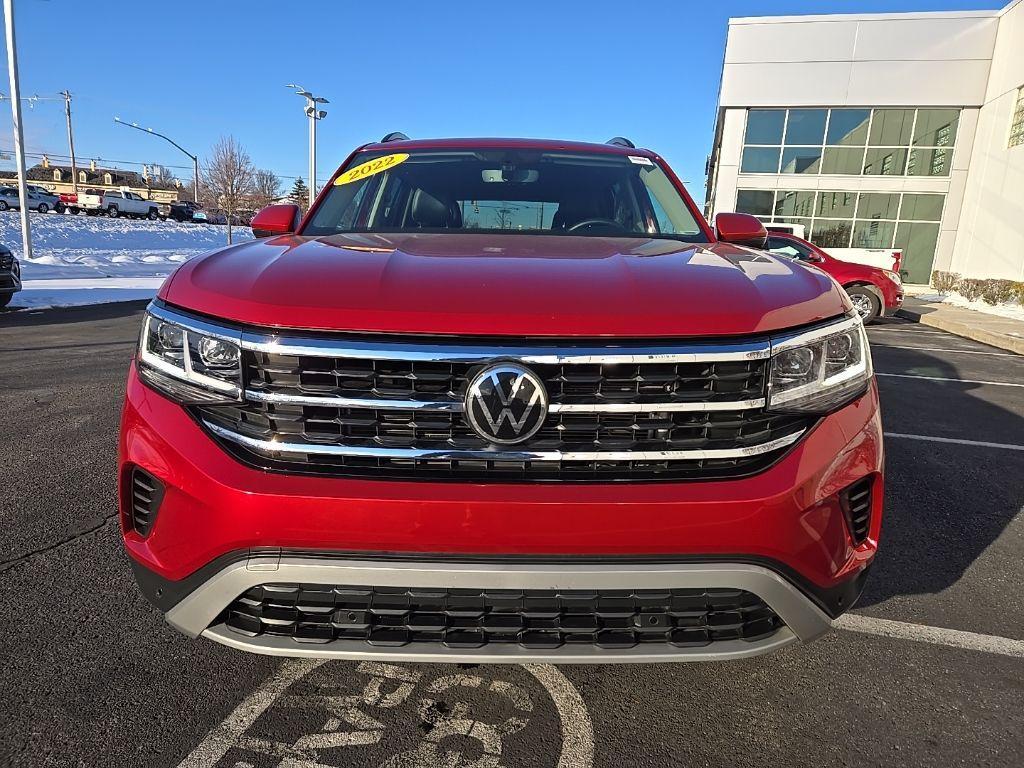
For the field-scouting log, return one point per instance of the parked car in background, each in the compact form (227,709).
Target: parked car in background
(875,292)
(130,204)
(69,201)
(43,199)
(186,210)
(884,258)
(90,201)
(10,275)
(9,200)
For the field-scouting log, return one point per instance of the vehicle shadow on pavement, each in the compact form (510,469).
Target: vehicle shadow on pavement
(21,317)
(948,503)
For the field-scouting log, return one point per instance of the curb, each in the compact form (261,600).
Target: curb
(968,331)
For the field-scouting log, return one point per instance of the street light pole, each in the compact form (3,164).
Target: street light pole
(19,132)
(314,113)
(150,131)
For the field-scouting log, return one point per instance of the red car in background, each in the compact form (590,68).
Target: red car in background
(875,292)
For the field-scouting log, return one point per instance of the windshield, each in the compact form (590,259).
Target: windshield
(520,191)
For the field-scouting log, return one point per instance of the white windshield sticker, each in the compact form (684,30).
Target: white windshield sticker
(640,160)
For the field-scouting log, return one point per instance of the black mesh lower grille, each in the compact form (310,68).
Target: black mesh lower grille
(856,503)
(467,618)
(146,494)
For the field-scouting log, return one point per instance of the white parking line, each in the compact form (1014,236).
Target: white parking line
(956,441)
(226,735)
(577,730)
(941,378)
(957,351)
(953,638)
(904,330)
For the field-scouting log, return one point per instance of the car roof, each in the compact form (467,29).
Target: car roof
(508,143)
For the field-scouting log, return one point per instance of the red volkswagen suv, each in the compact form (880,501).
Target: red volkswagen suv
(501,400)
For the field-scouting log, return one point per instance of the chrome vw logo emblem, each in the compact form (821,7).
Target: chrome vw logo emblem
(506,403)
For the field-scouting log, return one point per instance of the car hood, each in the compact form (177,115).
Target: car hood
(507,285)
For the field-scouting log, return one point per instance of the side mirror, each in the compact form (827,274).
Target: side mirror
(741,229)
(275,220)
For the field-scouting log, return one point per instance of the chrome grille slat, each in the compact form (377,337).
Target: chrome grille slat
(396,409)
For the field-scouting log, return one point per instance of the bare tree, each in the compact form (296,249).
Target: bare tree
(266,188)
(229,176)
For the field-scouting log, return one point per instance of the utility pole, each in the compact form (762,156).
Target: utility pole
(19,133)
(314,113)
(71,139)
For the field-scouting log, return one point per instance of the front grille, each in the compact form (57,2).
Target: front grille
(395,409)
(575,383)
(531,619)
(396,428)
(146,494)
(856,504)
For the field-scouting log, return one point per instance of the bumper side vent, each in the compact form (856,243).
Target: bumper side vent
(146,494)
(856,503)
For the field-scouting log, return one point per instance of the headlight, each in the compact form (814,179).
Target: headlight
(820,370)
(189,361)
(894,276)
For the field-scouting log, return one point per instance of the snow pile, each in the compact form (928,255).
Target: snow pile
(1008,309)
(86,259)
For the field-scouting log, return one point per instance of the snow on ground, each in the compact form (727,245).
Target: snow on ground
(90,259)
(1011,310)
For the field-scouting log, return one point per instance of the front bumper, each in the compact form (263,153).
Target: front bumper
(223,527)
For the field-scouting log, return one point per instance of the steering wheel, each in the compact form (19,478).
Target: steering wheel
(595,222)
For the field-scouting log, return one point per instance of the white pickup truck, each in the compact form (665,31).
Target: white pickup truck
(119,203)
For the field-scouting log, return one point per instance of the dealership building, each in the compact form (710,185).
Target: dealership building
(897,130)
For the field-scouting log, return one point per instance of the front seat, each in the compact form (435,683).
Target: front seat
(428,211)
(583,206)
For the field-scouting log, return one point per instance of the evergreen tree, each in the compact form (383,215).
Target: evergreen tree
(300,193)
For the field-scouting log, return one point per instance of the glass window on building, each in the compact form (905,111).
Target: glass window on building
(885,162)
(1017,122)
(836,205)
(846,219)
(848,127)
(917,240)
(929,162)
(873,234)
(936,127)
(891,127)
(921,207)
(764,126)
(806,127)
(801,160)
(757,202)
(794,203)
(831,233)
(847,161)
(760,160)
(878,205)
(850,142)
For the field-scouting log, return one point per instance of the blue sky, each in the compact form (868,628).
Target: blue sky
(199,70)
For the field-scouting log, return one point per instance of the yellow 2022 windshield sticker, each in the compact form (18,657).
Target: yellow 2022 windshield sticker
(371,167)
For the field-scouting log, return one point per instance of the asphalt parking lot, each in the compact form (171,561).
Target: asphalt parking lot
(92,675)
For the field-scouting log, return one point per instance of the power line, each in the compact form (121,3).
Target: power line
(57,156)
